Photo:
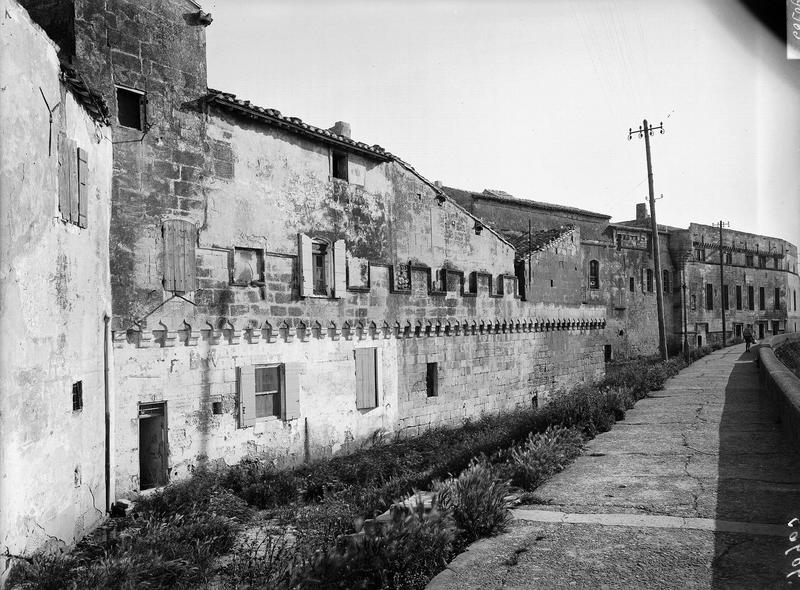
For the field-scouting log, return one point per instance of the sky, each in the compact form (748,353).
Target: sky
(536,97)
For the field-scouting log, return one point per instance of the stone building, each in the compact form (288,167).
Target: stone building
(273,289)
(263,287)
(55,196)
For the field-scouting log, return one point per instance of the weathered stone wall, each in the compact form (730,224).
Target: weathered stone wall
(494,352)
(54,293)
(707,324)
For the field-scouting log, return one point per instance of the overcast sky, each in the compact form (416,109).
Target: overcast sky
(536,97)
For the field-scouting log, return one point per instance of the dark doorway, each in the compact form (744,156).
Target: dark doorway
(152,445)
(737,330)
(699,341)
(760,331)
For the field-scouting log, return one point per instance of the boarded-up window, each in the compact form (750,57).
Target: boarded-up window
(73,182)
(247,267)
(366,378)
(180,237)
(268,390)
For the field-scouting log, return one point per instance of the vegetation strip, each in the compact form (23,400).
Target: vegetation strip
(252,525)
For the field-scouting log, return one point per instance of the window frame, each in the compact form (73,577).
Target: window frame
(258,276)
(340,165)
(751,297)
(762,299)
(432,379)
(649,279)
(278,392)
(142,106)
(738,297)
(709,297)
(777,297)
(594,275)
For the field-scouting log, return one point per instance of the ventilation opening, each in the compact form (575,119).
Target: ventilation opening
(216,408)
(130,108)
(77,396)
(432,379)
(339,164)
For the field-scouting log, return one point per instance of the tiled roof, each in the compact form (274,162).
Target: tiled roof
(230,102)
(499,195)
(537,241)
(92,101)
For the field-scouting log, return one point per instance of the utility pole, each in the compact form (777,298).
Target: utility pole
(646,131)
(723,301)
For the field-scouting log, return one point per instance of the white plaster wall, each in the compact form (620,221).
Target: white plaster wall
(189,379)
(54,292)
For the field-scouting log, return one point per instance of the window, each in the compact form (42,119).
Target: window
(738,297)
(762,299)
(339,165)
(432,379)
(268,390)
(594,274)
(709,296)
(693,301)
(776,326)
(247,267)
(728,258)
(73,182)
(631,284)
(665,282)
(762,262)
(216,408)
(748,260)
(366,378)
(776,262)
(77,396)
(777,298)
(180,273)
(319,266)
(751,298)
(725,297)
(607,353)
(649,280)
(794,299)
(323,269)
(700,254)
(131,108)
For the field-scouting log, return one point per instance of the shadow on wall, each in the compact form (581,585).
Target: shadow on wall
(759,482)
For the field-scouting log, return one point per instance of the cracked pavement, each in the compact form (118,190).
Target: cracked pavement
(694,489)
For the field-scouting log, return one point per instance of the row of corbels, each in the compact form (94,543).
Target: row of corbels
(189,335)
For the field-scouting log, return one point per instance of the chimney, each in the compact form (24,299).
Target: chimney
(437,183)
(341,128)
(641,211)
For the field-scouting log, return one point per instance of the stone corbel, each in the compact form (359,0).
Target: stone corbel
(317,331)
(168,337)
(418,330)
(270,333)
(144,337)
(253,333)
(233,334)
(191,336)
(347,330)
(372,330)
(334,332)
(213,334)
(302,332)
(286,332)
(428,328)
(387,331)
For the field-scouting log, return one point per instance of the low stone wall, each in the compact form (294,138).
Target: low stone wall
(780,384)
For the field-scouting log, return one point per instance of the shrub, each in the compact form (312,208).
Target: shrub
(403,553)
(260,484)
(477,499)
(542,455)
(264,559)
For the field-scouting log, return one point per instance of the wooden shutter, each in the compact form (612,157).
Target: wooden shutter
(305,265)
(83,187)
(291,391)
(64,158)
(366,378)
(339,268)
(180,271)
(73,182)
(247,395)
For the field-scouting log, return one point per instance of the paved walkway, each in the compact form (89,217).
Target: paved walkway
(692,490)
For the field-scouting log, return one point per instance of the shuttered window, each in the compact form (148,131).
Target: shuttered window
(268,390)
(323,269)
(180,237)
(73,182)
(366,378)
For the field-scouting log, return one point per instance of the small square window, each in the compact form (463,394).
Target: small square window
(339,165)
(268,391)
(130,108)
(248,267)
(216,408)
(432,379)
(77,396)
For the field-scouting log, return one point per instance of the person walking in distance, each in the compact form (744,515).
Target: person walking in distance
(748,337)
